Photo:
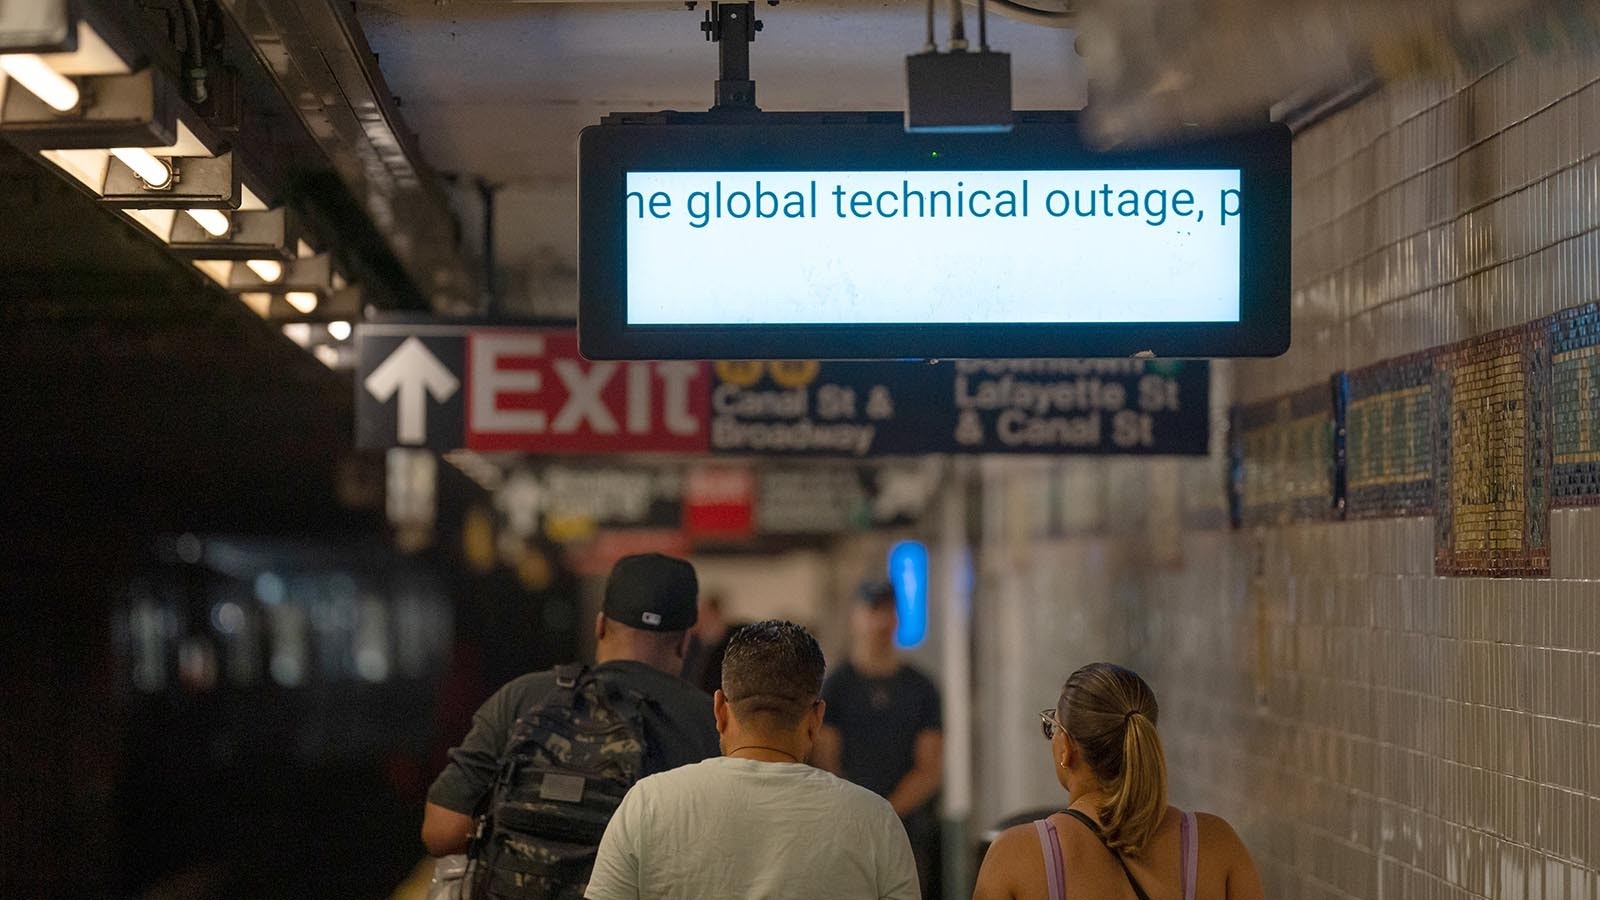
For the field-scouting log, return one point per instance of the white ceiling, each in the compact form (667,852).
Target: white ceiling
(500,90)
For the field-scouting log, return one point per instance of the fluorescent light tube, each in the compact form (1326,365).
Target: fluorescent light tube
(214,221)
(153,172)
(33,73)
(268,270)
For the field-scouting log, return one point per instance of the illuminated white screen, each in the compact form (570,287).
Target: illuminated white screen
(793,248)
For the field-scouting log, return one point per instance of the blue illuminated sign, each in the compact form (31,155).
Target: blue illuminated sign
(908,571)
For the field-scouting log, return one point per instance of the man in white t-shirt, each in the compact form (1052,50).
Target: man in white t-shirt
(757,823)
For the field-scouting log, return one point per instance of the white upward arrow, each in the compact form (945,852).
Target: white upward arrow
(414,373)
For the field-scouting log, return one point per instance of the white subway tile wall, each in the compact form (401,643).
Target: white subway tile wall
(1373,730)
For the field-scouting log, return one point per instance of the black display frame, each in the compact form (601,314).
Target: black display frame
(878,142)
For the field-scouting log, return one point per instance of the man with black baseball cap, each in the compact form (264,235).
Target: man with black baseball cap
(641,636)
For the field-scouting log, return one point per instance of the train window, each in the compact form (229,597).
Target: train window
(197,664)
(238,631)
(423,629)
(148,625)
(372,641)
(288,660)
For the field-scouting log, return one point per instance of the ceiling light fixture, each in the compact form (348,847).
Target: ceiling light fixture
(155,174)
(339,331)
(214,221)
(299,332)
(304,302)
(134,142)
(140,109)
(69,41)
(268,270)
(268,235)
(56,90)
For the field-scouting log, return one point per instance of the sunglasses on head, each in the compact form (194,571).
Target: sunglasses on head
(1049,724)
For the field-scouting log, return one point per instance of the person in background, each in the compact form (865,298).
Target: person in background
(758,823)
(1118,837)
(884,727)
(708,641)
(641,636)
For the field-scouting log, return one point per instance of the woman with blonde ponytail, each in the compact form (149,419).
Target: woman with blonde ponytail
(1118,839)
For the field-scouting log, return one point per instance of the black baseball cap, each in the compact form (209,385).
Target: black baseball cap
(875,593)
(653,592)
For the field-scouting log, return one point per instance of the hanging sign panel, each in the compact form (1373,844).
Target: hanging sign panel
(527,390)
(1055,406)
(530,388)
(449,387)
(520,389)
(790,236)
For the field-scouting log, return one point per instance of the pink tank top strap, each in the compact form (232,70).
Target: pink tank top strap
(1055,875)
(1189,837)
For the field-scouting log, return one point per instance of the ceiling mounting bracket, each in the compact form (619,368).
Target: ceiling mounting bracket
(733,27)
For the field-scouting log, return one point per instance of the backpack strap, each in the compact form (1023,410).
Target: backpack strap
(1094,827)
(568,677)
(562,695)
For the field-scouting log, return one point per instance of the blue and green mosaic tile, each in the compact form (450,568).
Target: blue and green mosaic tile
(1283,458)
(1575,407)
(1389,448)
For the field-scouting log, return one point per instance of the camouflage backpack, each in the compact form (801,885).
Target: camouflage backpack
(566,765)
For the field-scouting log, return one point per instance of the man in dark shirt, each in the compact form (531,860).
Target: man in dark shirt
(883,729)
(641,636)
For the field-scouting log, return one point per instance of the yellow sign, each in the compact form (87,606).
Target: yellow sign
(787,373)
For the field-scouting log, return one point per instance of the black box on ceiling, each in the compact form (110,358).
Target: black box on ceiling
(958,91)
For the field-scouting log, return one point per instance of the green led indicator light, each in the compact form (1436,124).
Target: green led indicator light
(934,154)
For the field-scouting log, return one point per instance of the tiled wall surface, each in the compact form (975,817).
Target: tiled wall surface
(1375,721)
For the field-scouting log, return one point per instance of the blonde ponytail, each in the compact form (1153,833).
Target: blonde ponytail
(1110,713)
(1139,795)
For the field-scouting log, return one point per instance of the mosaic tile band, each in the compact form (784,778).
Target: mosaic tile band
(1575,406)
(1389,438)
(1488,435)
(1285,448)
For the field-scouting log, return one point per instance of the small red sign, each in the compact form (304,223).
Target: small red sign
(529,390)
(719,502)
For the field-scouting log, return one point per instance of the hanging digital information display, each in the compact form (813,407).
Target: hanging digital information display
(935,247)
(754,241)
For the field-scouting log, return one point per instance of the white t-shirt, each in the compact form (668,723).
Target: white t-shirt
(748,830)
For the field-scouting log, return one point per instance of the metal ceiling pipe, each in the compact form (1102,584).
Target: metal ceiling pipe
(315,51)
